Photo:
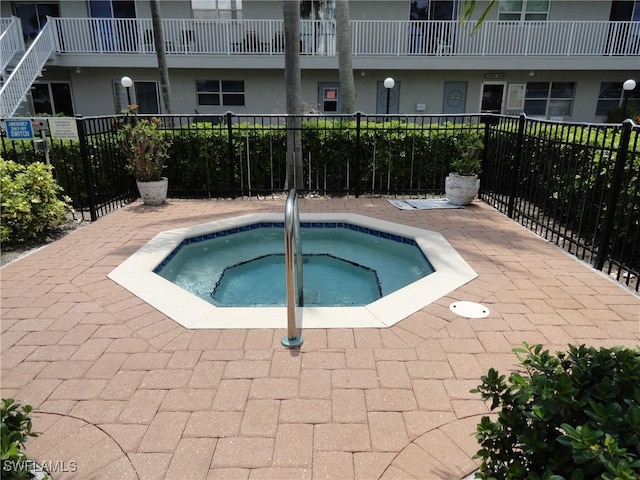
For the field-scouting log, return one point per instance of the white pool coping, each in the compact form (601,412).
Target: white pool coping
(136,275)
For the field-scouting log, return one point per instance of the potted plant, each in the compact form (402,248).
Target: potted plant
(462,184)
(146,149)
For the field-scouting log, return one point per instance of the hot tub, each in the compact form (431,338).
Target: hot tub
(142,275)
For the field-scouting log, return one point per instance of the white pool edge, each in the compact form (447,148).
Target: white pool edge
(136,275)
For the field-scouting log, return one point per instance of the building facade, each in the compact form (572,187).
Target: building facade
(553,59)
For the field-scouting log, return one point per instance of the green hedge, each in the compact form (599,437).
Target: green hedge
(569,416)
(404,155)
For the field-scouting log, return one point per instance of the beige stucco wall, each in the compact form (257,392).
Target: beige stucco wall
(265,92)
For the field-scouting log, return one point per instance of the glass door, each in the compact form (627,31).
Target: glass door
(623,36)
(492,100)
(110,35)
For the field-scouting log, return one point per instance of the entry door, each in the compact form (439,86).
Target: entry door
(145,94)
(329,97)
(147,97)
(492,100)
(455,97)
(393,97)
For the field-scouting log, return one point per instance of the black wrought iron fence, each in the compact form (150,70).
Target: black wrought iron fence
(235,155)
(90,170)
(577,185)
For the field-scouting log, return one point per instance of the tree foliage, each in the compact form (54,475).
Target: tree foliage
(468,7)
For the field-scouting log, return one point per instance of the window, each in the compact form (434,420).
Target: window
(624,11)
(318,9)
(551,99)
(523,10)
(220,92)
(434,10)
(330,100)
(215,9)
(33,17)
(112,8)
(611,97)
(52,98)
(515,98)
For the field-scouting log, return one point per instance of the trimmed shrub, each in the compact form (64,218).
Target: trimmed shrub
(570,416)
(31,201)
(15,427)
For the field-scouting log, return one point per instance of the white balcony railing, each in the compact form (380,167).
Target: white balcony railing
(495,38)
(369,37)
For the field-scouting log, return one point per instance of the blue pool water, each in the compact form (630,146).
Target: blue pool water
(343,265)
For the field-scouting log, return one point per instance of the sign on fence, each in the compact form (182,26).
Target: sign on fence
(19,128)
(63,128)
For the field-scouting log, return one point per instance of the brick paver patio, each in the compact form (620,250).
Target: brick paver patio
(120,391)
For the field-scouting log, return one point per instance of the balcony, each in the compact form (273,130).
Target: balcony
(370,38)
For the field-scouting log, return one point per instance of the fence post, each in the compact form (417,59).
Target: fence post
(356,169)
(515,165)
(86,167)
(614,193)
(231,169)
(488,122)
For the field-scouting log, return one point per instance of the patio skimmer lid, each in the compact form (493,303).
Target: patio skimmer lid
(469,309)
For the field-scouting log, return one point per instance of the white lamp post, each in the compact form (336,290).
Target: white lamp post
(627,86)
(389,83)
(126,82)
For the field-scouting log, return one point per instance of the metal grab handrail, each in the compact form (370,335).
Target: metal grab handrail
(293,269)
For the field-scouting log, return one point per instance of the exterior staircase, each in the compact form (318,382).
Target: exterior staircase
(16,84)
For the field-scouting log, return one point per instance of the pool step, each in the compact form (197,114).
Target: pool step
(311,297)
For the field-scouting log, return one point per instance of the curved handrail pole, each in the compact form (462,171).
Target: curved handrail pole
(293,269)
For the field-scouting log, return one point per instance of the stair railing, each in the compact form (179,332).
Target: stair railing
(27,70)
(11,41)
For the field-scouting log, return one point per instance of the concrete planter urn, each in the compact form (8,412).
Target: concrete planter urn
(153,193)
(461,189)
(462,184)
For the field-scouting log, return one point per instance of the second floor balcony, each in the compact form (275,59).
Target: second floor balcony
(369,38)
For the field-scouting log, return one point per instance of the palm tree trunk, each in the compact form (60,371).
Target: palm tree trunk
(161,53)
(291,15)
(343,40)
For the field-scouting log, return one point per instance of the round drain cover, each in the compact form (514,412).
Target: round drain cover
(469,309)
